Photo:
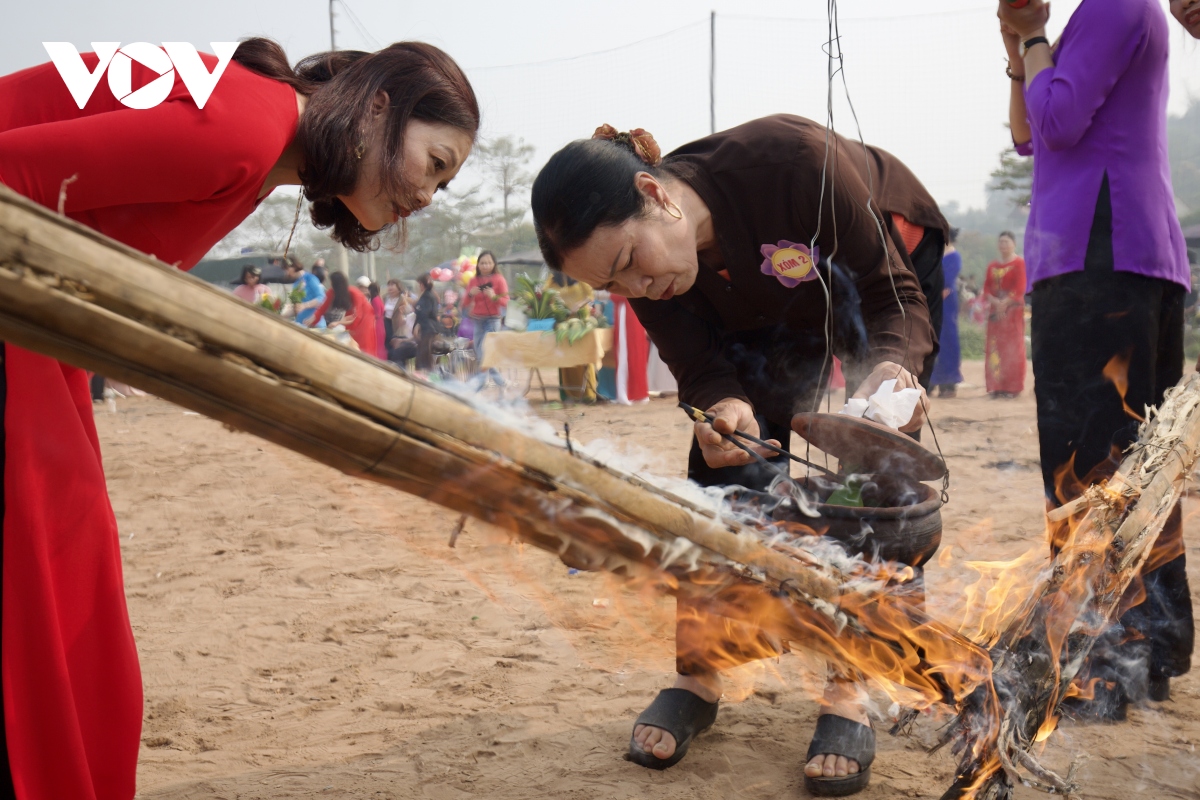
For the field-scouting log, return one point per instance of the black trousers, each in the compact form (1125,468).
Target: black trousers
(97,387)
(1081,322)
(425,350)
(402,352)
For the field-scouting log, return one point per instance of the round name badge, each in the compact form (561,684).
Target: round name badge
(791,263)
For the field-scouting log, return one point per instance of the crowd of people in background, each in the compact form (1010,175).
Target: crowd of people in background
(436,328)
(999,308)
(407,323)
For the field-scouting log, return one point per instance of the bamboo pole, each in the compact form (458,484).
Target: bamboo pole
(70,293)
(44,267)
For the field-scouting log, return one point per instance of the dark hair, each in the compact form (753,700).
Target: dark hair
(586,185)
(340,286)
(479,258)
(1009,234)
(396,283)
(373,290)
(952,235)
(425,281)
(321,273)
(249,269)
(421,82)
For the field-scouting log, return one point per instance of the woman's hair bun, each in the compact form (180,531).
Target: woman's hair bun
(638,141)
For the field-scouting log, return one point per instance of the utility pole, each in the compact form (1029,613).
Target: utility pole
(332,35)
(343,255)
(712,71)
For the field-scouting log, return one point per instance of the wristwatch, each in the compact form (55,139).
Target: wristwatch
(1028,43)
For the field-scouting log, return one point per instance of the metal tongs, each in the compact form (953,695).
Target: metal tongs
(704,416)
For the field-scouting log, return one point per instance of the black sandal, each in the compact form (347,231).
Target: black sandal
(682,714)
(841,737)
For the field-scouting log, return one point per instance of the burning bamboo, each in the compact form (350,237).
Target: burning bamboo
(1044,649)
(71,293)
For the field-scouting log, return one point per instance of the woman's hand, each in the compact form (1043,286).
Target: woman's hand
(1026,22)
(1012,46)
(886,371)
(731,414)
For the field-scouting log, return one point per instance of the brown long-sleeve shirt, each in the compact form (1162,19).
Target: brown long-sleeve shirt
(752,337)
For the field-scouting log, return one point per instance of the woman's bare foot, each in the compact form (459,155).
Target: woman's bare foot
(658,742)
(842,699)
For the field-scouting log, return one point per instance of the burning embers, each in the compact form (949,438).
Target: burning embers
(757,578)
(1042,650)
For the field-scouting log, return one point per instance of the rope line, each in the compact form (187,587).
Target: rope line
(834,53)
(565,59)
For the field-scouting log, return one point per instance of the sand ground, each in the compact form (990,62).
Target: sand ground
(306,635)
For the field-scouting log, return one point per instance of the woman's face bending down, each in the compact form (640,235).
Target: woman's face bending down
(652,256)
(433,154)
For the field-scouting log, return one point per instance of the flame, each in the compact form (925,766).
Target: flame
(1116,371)
(1085,689)
(914,659)
(877,630)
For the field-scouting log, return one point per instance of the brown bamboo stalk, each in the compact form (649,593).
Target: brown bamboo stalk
(60,276)
(70,293)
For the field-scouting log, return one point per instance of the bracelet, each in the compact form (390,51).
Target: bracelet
(1036,40)
(1008,71)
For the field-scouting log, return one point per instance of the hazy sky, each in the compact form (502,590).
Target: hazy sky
(926,79)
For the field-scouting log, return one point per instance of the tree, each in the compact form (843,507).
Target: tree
(440,232)
(1014,177)
(267,230)
(436,234)
(504,161)
(1183,148)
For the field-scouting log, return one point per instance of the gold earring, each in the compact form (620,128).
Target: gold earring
(678,212)
(362,147)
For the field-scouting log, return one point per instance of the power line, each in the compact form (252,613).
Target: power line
(358,24)
(751,18)
(955,13)
(627,45)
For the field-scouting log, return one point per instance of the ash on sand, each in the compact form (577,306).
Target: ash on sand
(307,635)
